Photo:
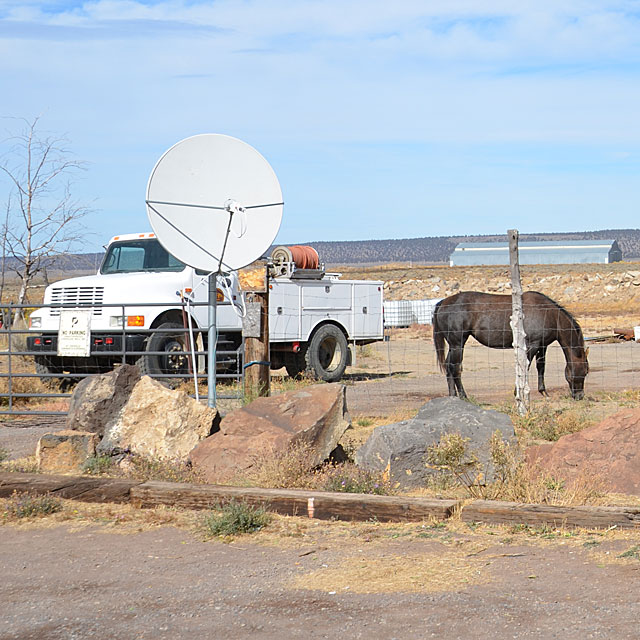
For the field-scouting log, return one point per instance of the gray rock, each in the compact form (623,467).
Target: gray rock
(400,449)
(97,400)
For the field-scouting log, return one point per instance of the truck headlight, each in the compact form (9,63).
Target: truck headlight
(115,321)
(35,322)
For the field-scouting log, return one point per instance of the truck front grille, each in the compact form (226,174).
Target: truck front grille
(80,296)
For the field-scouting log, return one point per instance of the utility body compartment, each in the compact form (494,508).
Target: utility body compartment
(298,306)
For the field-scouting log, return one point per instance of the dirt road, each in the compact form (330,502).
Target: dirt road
(165,583)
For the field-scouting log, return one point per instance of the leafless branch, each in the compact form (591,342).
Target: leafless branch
(42,218)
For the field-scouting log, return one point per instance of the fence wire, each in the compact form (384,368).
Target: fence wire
(390,377)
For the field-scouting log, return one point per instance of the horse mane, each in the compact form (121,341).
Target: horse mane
(574,323)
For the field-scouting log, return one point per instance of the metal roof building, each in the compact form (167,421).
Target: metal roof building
(545,252)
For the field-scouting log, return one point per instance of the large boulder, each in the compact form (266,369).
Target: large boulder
(97,400)
(158,422)
(608,450)
(400,449)
(316,415)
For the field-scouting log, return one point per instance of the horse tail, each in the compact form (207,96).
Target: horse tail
(438,338)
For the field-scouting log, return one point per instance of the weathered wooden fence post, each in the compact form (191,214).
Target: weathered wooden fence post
(255,328)
(517,327)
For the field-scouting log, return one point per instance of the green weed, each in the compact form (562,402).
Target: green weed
(28,505)
(633,552)
(235,518)
(98,465)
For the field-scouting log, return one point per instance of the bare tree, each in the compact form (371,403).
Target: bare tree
(43,219)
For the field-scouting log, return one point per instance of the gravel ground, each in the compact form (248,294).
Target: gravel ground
(19,437)
(166,584)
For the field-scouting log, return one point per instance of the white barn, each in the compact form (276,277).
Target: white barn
(544,252)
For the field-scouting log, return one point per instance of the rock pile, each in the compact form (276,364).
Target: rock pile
(568,286)
(120,412)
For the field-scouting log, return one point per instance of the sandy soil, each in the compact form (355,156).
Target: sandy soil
(165,583)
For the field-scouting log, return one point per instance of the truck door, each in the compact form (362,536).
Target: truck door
(367,310)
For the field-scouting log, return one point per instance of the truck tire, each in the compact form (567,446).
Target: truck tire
(327,354)
(174,357)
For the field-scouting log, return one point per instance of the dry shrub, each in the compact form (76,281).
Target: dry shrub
(29,505)
(549,423)
(348,478)
(143,468)
(21,465)
(291,468)
(295,468)
(516,481)
(531,485)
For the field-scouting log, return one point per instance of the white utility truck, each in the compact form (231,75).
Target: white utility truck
(136,303)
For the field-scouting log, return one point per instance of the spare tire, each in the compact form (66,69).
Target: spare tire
(327,353)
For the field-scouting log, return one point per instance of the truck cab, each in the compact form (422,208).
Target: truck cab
(139,287)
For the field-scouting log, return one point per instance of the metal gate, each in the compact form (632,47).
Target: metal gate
(36,380)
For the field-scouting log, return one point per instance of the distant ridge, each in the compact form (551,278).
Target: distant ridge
(429,250)
(438,249)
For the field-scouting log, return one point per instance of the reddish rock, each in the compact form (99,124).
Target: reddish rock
(610,450)
(316,415)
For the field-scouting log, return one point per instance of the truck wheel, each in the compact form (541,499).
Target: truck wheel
(173,356)
(326,356)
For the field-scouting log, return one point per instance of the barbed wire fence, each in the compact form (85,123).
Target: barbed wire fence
(391,377)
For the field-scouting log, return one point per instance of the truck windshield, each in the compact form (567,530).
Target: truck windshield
(131,256)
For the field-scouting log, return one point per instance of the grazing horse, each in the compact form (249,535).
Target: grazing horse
(487,317)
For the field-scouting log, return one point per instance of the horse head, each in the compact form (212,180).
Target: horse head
(576,371)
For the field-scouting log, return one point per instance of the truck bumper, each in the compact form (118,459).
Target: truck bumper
(101,343)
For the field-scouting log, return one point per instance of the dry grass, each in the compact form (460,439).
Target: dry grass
(296,468)
(431,572)
(292,468)
(110,518)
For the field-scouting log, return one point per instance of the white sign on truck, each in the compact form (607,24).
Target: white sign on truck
(74,334)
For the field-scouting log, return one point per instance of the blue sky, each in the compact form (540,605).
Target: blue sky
(381,119)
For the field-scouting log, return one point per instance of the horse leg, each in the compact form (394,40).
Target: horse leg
(453,366)
(540,364)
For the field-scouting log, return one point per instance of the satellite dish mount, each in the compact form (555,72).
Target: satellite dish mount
(215,204)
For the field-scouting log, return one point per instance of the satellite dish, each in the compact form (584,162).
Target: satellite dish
(214,202)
